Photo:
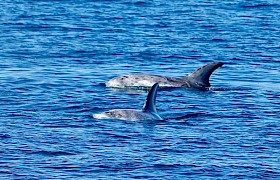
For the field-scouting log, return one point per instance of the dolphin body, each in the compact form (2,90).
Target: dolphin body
(148,111)
(198,79)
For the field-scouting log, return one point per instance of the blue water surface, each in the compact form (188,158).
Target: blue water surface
(56,56)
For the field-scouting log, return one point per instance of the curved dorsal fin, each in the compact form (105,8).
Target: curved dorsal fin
(150,103)
(202,74)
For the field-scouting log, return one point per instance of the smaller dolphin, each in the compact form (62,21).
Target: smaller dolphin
(199,79)
(148,111)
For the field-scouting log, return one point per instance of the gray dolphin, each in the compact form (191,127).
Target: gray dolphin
(198,79)
(148,112)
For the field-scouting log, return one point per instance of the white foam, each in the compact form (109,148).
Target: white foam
(100,116)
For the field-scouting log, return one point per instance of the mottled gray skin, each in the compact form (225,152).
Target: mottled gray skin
(132,114)
(199,79)
(148,112)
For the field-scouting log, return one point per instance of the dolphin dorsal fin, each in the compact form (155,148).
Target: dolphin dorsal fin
(202,74)
(150,103)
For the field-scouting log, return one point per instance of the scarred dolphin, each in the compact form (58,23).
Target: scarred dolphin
(148,112)
(198,79)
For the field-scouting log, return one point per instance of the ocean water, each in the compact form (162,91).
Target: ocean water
(55,57)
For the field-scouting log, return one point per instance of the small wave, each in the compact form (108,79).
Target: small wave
(54,153)
(63,166)
(218,40)
(138,3)
(5,136)
(190,115)
(168,166)
(262,5)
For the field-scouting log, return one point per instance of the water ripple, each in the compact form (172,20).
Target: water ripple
(56,57)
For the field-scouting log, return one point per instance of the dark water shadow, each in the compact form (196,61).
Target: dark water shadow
(101,85)
(189,115)
(231,89)
(186,119)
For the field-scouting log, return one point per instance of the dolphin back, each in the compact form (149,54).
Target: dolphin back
(201,76)
(150,103)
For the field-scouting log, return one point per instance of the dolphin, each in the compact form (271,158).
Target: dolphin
(148,112)
(198,79)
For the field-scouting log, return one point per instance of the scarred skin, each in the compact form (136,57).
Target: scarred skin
(148,111)
(199,79)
